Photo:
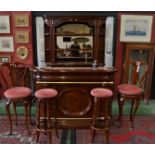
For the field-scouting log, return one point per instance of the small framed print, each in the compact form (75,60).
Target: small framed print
(22,53)
(5,58)
(21,20)
(22,36)
(6,44)
(4,24)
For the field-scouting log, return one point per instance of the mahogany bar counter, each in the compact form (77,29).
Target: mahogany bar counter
(74,104)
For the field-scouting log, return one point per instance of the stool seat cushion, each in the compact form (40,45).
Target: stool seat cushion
(46,93)
(129,89)
(17,92)
(101,92)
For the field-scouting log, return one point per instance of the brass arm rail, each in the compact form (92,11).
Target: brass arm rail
(49,82)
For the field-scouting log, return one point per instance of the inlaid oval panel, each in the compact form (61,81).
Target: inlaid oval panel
(74,102)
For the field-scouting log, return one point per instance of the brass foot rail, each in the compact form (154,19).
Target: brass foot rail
(49,82)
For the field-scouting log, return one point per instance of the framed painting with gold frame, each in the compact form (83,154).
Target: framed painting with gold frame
(22,36)
(21,20)
(22,52)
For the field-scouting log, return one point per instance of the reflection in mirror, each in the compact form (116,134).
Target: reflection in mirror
(74,40)
(74,46)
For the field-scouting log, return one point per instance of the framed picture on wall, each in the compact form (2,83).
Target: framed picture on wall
(21,20)
(136,28)
(22,52)
(4,24)
(22,36)
(6,44)
(5,58)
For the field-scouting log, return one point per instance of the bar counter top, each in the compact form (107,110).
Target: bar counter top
(74,69)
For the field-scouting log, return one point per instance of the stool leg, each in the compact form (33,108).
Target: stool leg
(29,109)
(92,131)
(55,115)
(45,116)
(49,128)
(107,136)
(92,135)
(55,119)
(106,120)
(131,111)
(14,106)
(107,131)
(57,133)
(120,104)
(50,136)
(137,101)
(9,115)
(38,120)
(26,115)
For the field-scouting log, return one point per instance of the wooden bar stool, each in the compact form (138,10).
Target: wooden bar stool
(133,87)
(45,101)
(129,92)
(16,92)
(102,111)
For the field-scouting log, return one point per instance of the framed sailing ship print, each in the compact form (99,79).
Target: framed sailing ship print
(136,28)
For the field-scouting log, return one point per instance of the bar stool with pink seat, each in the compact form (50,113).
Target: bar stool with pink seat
(45,102)
(133,87)
(15,90)
(102,112)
